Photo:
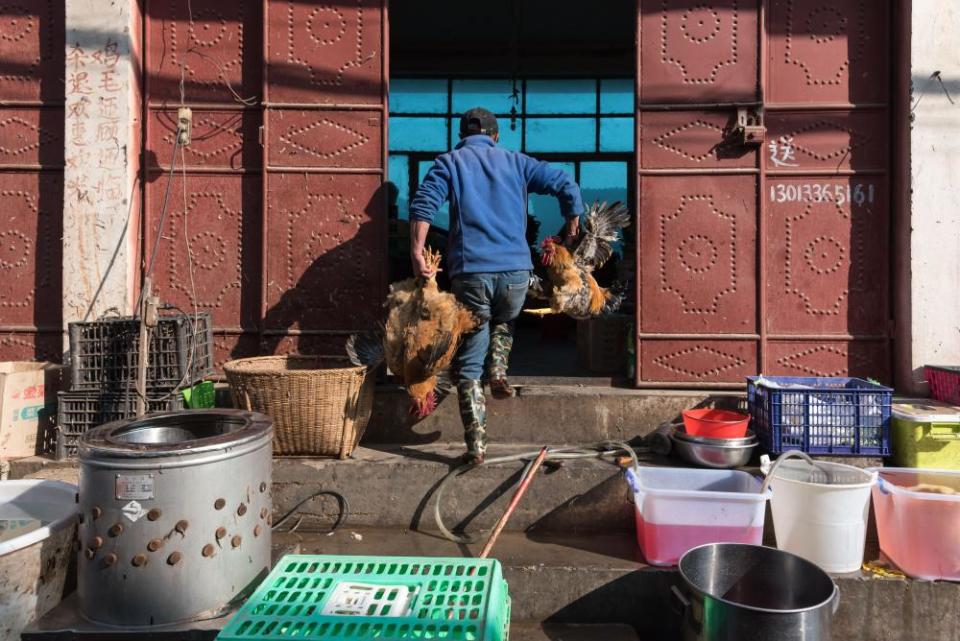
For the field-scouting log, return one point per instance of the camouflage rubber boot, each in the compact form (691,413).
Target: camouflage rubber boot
(498,356)
(473,413)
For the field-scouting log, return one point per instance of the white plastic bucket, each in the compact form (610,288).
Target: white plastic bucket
(820,512)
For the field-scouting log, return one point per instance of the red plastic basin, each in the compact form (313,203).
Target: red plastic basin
(715,423)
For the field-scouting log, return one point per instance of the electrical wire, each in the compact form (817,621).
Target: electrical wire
(341,518)
(247,102)
(163,215)
(598,450)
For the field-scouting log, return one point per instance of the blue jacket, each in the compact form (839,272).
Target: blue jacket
(487,187)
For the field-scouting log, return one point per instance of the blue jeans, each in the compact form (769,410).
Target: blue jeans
(493,298)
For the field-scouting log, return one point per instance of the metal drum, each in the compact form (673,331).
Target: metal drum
(175,515)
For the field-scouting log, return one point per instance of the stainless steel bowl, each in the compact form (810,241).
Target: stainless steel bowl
(720,457)
(679,433)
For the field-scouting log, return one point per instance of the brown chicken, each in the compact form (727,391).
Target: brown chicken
(419,338)
(570,286)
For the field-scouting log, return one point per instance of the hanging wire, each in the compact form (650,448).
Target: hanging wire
(515,63)
(222,72)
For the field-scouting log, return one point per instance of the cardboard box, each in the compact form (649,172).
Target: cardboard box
(28,406)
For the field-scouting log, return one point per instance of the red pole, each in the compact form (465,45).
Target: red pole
(524,484)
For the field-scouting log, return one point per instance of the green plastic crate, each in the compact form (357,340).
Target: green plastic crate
(201,396)
(355,598)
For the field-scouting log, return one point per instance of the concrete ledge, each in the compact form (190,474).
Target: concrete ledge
(554,414)
(523,631)
(394,487)
(601,579)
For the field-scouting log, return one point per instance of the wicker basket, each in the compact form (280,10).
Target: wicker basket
(320,405)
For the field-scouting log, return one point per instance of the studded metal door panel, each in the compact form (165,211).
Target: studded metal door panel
(765,258)
(697,193)
(283,203)
(325,137)
(698,51)
(214,214)
(699,255)
(31,178)
(827,209)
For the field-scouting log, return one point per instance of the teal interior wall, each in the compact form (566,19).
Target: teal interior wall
(584,125)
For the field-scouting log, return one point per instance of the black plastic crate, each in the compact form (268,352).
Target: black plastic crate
(78,412)
(105,353)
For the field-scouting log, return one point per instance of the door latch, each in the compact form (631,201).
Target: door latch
(750,129)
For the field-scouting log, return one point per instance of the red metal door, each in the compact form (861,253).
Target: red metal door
(325,132)
(280,198)
(764,257)
(31,179)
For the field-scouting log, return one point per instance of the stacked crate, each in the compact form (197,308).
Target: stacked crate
(104,356)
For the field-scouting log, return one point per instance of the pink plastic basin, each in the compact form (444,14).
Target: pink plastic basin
(919,531)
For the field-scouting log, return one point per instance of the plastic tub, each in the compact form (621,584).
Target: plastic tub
(715,423)
(678,509)
(944,383)
(919,531)
(926,434)
(820,512)
(37,523)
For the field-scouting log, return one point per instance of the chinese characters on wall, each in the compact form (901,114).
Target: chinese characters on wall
(96,175)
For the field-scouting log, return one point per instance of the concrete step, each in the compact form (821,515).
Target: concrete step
(527,631)
(601,579)
(396,487)
(555,414)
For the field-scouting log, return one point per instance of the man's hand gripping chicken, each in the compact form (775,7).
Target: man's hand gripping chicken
(419,338)
(570,286)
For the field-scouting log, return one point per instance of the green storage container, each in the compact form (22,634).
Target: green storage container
(926,434)
(359,598)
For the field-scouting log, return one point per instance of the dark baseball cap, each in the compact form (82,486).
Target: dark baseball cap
(478,121)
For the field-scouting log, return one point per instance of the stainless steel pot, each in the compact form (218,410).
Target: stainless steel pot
(733,592)
(713,453)
(175,515)
(681,434)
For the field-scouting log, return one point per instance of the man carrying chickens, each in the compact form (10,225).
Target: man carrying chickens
(487,253)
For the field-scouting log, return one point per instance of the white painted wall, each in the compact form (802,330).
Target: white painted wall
(100,150)
(935,169)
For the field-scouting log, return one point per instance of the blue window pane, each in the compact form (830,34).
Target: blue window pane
(509,138)
(561,96)
(398,175)
(418,134)
(616,134)
(561,134)
(489,94)
(616,96)
(546,210)
(442,218)
(420,96)
(604,182)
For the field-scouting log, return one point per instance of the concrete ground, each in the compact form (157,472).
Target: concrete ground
(569,552)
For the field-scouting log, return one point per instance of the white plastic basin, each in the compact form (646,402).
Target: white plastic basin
(678,509)
(37,524)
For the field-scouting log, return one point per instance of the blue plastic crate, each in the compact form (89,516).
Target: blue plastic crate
(362,598)
(839,416)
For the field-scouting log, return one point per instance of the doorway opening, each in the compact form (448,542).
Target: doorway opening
(561,83)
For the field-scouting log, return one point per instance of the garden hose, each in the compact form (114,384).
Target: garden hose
(598,450)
